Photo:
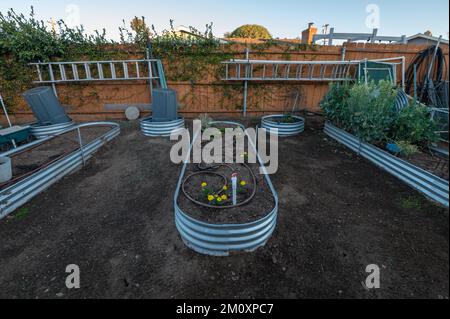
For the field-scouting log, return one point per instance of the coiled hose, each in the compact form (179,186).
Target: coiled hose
(211,170)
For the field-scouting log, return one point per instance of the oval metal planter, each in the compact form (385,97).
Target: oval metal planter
(161,129)
(284,129)
(430,185)
(224,239)
(44,131)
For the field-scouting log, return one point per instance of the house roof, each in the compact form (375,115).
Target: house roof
(427,37)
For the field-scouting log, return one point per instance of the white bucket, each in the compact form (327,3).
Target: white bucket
(5,169)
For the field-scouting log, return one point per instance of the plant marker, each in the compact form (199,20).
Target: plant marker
(234,180)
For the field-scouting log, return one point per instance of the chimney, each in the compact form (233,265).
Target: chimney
(308,34)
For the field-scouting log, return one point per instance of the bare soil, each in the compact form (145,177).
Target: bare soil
(434,164)
(28,162)
(258,207)
(114,219)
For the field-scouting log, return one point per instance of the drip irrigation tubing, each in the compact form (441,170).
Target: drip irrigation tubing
(212,170)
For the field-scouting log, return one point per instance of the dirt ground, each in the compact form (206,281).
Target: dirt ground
(114,219)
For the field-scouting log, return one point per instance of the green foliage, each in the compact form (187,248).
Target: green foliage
(370,110)
(141,29)
(406,148)
(25,39)
(334,104)
(251,31)
(413,124)
(411,203)
(367,110)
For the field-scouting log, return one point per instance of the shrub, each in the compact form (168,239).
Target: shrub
(414,125)
(370,110)
(367,110)
(334,103)
(251,31)
(406,148)
(364,110)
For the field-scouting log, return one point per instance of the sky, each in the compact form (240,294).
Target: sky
(283,18)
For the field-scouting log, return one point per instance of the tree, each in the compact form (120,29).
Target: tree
(251,31)
(428,33)
(139,26)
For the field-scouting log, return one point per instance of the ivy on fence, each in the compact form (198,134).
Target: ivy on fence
(195,58)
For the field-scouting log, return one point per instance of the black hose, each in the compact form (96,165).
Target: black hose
(422,62)
(210,170)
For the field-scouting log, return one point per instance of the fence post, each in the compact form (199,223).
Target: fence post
(374,36)
(247,57)
(330,36)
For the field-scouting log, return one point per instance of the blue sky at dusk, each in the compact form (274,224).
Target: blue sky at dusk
(284,19)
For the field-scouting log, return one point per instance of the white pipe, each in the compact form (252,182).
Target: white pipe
(234,186)
(5,110)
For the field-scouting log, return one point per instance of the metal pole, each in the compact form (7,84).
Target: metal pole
(430,69)
(415,82)
(5,110)
(150,74)
(247,57)
(81,146)
(403,73)
(343,53)
(52,78)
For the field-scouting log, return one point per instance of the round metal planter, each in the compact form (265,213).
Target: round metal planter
(224,239)
(45,131)
(161,129)
(284,129)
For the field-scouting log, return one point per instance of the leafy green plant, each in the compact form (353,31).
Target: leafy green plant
(365,110)
(334,103)
(413,124)
(406,148)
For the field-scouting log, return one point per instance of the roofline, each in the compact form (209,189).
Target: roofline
(424,36)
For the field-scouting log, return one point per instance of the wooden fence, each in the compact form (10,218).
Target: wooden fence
(100,101)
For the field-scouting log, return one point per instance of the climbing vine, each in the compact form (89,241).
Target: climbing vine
(191,56)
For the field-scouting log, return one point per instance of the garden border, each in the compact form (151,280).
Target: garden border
(161,129)
(430,185)
(21,192)
(221,240)
(284,129)
(43,131)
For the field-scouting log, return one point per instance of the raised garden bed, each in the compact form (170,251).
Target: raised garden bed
(34,174)
(43,131)
(287,125)
(205,216)
(151,128)
(430,185)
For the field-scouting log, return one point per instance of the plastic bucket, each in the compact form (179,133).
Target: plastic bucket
(5,169)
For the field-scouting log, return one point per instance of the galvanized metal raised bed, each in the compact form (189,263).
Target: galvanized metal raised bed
(161,129)
(221,240)
(24,190)
(270,123)
(44,131)
(430,185)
